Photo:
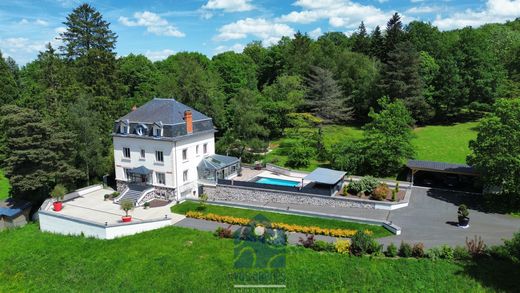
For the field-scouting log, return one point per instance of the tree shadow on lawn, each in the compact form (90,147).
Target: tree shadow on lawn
(497,274)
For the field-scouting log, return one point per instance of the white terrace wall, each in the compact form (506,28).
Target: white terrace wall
(60,224)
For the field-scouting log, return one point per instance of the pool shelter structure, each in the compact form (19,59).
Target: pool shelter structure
(325,180)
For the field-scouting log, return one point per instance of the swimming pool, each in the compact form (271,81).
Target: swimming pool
(275,181)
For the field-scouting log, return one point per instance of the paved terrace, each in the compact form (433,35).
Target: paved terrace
(93,207)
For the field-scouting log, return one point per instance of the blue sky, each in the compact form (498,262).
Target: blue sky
(160,28)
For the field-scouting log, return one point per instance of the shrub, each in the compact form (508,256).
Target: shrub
(476,246)
(342,246)
(355,187)
(394,195)
(418,250)
(146,204)
(223,232)
(461,253)
(513,247)
(396,187)
(365,185)
(115,194)
(463,211)
(405,250)
(320,245)
(363,243)
(106,196)
(369,183)
(308,242)
(127,205)
(443,252)
(203,199)
(58,192)
(380,192)
(391,250)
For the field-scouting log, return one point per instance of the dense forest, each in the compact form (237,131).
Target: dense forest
(58,110)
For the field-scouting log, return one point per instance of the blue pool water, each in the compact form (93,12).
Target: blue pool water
(274,181)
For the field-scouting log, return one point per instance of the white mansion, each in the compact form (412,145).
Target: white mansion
(163,149)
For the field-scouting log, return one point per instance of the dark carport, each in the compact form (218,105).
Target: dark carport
(458,176)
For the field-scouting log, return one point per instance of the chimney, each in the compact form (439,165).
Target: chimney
(189,121)
(134,108)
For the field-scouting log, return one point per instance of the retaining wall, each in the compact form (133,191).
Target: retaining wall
(66,225)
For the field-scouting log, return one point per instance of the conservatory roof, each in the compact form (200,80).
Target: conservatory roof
(217,162)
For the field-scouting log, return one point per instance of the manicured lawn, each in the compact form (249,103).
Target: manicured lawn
(282,218)
(176,259)
(4,186)
(444,143)
(332,134)
(435,143)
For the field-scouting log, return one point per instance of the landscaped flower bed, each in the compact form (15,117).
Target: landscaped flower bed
(370,188)
(283,226)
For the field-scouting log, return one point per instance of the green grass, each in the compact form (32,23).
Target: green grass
(4,186)
(177,259)
(332,134)
(434,143)
(444,143)
(184,207)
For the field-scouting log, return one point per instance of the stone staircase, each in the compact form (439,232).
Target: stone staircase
(133,193)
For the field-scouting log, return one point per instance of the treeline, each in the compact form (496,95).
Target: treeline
(58,110)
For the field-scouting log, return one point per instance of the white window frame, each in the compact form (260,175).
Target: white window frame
(143,154)
(161,157)
(197,150)
(185,154)
(157,131)
(129,153)
(159,176)
(205,148)
(185,176)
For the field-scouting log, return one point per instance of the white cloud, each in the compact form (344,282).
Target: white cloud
(339,13)
(229,5)
(235,48)
(316,33)
(268,31)
(158,55)
(422,9)
(494,11)
(154,24)
(26,45)
(37,21)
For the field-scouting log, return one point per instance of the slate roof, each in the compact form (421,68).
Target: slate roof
(325,176)
(217,162)
(441,167)
(167,113)
(12,208)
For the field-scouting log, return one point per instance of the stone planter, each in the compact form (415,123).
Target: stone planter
(463,222)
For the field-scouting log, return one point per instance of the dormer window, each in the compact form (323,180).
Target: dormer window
(124,127)
(141,129)
(158,129)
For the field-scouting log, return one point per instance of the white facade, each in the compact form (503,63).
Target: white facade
(179,173)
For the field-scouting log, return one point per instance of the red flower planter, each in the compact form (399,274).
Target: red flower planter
(126,219)
(58,205)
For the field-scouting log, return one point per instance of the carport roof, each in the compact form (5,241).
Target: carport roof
(441,167)
(325,176)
